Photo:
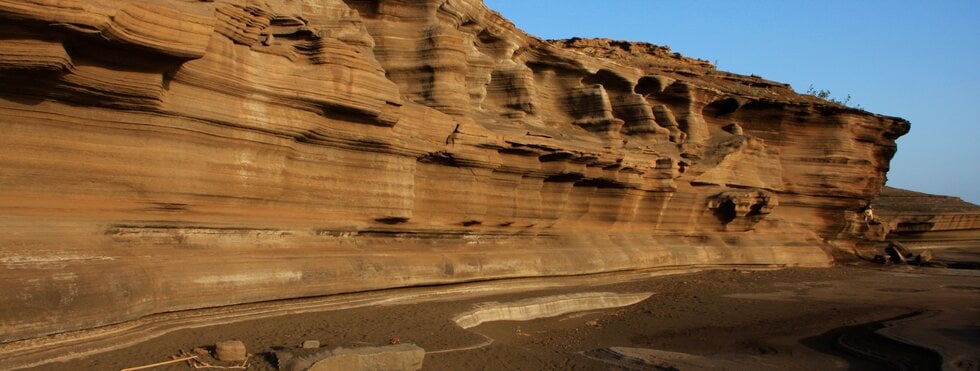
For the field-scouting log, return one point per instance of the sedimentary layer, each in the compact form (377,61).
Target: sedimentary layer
(923,221)
(547,306)
(166,155)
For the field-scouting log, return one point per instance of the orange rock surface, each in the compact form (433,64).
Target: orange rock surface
(947,225)
(165,155)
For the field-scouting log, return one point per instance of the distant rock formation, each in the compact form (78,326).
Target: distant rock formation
(165,155)
(922,221)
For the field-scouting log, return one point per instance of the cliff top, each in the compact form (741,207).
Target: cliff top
(903,200)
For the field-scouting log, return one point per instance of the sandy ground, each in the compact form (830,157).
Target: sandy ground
(782,319)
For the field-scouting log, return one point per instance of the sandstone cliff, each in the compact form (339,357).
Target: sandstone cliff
(947,226)
(171,154)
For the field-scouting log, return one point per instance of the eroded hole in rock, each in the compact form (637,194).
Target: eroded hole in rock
(168,206)
(721,107)
(470,223)
(392,220)
(609,80)
(599,183)
(487,37)
(441,158)
(734,129)
(755,210)
(558,156)
(564,178)
(691,156)
(725,212)
(517,151)
(650,85)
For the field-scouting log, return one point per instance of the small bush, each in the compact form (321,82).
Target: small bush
(825,95)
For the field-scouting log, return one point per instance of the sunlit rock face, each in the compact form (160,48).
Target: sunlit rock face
(947,225)
(165,155)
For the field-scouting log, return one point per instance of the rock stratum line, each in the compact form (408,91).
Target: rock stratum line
(166,155)
(84,343)
(546,306)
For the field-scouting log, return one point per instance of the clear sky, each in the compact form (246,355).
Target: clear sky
(915,59)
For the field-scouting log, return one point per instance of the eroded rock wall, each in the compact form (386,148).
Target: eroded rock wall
(167,155)
(922,221)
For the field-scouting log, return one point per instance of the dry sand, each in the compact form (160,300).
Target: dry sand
(728,318)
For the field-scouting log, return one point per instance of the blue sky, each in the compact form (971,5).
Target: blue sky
(919,60)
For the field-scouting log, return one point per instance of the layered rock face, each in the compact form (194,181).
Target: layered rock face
(166,155)
(920,221)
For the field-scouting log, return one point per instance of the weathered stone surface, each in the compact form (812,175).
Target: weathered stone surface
(166,155)
(408,357)
(230,350)
(549,306)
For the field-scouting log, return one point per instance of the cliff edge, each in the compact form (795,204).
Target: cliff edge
(166,155)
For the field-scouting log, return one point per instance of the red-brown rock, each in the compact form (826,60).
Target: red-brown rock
(165,155)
